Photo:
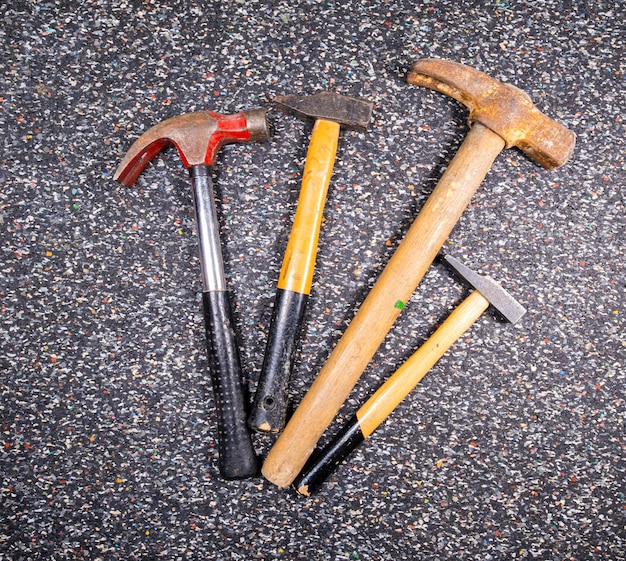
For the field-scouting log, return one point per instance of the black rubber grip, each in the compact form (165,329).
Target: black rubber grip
(269,409)
(324,462)
(237,458)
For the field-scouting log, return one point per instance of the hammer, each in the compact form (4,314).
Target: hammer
(330,111)
(378,407)
(198,136)
(500,116)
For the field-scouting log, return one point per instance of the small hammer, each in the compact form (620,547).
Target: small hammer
(378,407)
(501,116)
(198,137)
(330,111)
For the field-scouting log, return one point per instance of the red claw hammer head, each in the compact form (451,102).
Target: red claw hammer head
(198,137)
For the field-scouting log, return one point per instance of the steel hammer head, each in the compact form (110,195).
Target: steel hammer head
(198,137)
(505,109)
(499,298)
(350,112)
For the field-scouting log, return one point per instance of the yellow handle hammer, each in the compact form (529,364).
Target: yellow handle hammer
(330,111)
(378,407)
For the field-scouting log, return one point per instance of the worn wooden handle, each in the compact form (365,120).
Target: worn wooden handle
(378,407)
(380,309)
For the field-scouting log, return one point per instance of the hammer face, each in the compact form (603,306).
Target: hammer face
(499,298)
(350,112)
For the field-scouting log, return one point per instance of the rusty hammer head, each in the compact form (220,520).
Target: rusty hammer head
(499,298)
(350,112)
(505,109)
(198,137)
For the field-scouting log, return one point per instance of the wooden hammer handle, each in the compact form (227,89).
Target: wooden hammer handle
(297,270)
(380,309)
(378,407)
(269,409)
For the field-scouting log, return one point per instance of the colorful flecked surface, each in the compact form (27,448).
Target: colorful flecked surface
(512,447)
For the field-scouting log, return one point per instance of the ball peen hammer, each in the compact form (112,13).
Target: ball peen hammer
(330,111)
(390,394)
(198,136)
(501,116)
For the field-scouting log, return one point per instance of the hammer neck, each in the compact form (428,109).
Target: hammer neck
(211,262)
(202,170)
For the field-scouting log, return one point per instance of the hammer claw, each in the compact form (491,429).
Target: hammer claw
(136,160)
(197,136)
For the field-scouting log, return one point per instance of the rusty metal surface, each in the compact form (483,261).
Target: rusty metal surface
(505,109)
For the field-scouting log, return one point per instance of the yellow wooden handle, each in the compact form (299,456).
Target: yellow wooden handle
(296,273)
(399,385)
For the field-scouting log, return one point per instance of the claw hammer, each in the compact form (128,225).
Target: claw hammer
(198,136)
(501,116)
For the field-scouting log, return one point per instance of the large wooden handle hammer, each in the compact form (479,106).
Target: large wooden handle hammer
(198,137)
(501,116)
(378,407)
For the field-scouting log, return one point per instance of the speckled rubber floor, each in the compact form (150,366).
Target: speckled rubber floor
(511,448)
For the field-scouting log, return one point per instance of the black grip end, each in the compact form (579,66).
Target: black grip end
(324,462)
(269,410)
(237,458)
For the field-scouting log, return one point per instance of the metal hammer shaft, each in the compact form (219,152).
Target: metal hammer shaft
(383,304)
(209,245)
(198,136)
(237,458)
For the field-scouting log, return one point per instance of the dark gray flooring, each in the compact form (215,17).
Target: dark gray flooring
(511,448)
